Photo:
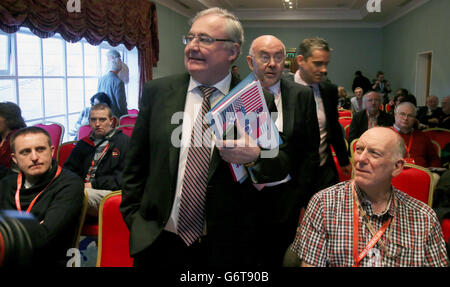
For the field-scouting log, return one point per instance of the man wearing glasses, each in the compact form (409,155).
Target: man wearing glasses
(180,201)
(296,120)
(419,149)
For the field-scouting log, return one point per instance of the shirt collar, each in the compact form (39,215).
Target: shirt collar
(223,86)
(398,129)
(367,205)
(275,89)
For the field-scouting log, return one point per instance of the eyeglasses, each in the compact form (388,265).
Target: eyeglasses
(265,59)
(403,114)
(203,40)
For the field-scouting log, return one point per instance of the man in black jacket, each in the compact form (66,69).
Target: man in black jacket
(53,195)
(313,59)
(100,157)
(369,117)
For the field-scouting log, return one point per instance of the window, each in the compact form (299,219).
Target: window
(53,80)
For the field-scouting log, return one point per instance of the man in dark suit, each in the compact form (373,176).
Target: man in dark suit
(369,117)
(185,210)
(430,114)
(296,119)
(313,59)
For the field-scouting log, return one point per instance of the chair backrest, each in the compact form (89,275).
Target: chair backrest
(113,234)
(381,107)
(133,112)
(388,108)
(441,136)
(445,225)
(84,131)
(344,121)
(64,151)
(347,131)
(81,219)
(56,131)
(416,181)
(345,113)
(126,129)
(437,147)
(127,120)
(342,176)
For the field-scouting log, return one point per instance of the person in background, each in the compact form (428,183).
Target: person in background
(235,72)
(99,158)
(53,195)
(343,100)
(357,100)
(418,146)
(370,117)
(280,202)
(83,119)
(366,222)
(430,114)
(113,86)
(445,120)
(10,121)
(382,86)
(313,59)
(361,81)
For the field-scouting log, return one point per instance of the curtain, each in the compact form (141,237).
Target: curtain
(132,23)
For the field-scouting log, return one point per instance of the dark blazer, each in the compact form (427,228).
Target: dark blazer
(151,169)
(329,95)
(360,124)
(423,118)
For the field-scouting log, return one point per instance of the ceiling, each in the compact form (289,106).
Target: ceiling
(304,13)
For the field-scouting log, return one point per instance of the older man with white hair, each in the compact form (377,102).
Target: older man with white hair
(366,222)
(113,86)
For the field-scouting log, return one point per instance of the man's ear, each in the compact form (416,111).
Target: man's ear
(300,60)
(398,167)
(53,150)
(234,52)
(250,62)
(13,157)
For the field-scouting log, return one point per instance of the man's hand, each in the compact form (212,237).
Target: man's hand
(240,151)
(88,185)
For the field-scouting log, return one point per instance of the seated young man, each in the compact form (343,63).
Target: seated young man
(99,158)
(53,195)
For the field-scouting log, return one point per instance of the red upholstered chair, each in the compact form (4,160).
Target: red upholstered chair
(133,112)
(113,236)
(445,225)
(437,147)
(56,131)
(84,131)
(345,121)
(342,176)
(127,120)
(388,108)
(64,151)
(345,113)
(126,129)
(439,135)
(347,131)
(416,181)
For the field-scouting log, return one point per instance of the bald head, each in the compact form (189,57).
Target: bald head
(390,139)
(266,59)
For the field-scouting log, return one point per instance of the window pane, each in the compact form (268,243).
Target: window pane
(91,60)
(30,98)
(72,120)
(104,59)
(8,91)
(53,57)
(133,84)
(54,97)
(75,99)
(28,55)
(4,65)
(91,89)
(74,59)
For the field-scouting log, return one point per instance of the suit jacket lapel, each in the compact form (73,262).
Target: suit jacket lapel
(175,103)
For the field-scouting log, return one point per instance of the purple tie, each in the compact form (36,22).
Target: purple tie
(193,194)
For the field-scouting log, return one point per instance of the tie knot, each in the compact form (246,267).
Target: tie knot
(207,91)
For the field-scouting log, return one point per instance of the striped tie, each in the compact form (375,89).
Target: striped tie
(193,194)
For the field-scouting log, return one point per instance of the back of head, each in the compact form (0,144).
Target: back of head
(12,114)
(101,97)
(114,61)
(308,45)
(29,130)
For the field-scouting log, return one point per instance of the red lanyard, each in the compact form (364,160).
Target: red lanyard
(88,175)
(19,185)
(407,148)
(357,258)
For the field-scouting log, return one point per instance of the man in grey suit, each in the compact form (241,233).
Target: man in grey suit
(186,210)
(296,119)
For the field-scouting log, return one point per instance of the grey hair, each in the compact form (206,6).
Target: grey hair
(308,45)
(409,104)
(366,95)
(233,26)
(398,151)
(114,61)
